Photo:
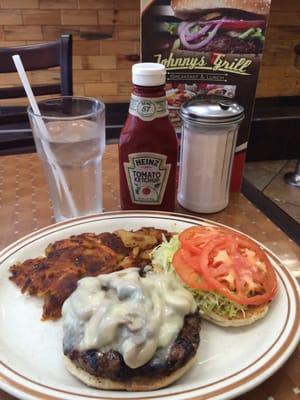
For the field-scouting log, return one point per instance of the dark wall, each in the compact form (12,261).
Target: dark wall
(275,129)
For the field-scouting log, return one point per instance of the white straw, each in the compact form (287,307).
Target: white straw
(57,172)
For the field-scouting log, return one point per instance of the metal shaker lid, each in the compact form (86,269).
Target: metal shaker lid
(211,110)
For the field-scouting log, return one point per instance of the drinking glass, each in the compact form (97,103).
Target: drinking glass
(69,136)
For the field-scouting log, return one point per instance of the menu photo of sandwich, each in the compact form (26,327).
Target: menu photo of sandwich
(226,26)
(208,47)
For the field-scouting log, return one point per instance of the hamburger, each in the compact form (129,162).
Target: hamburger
(130,330)
(229,275)
(221,26)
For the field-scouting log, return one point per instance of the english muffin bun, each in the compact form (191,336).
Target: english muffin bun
(252,315)
(138,383)
(186,8)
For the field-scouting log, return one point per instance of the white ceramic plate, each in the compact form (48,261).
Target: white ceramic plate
(230,361)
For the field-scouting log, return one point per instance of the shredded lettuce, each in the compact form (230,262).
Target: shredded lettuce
(251,33)
(162,255)
(247,34)
(233,34)
(171,27)
(207,302)
(176,44)
(258,34)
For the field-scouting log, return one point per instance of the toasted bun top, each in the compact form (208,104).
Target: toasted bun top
(186,8)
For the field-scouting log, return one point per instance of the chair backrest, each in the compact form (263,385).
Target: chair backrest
(37,57)
(15,132)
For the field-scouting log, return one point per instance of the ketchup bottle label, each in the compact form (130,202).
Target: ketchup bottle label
(147,176)
(148,108)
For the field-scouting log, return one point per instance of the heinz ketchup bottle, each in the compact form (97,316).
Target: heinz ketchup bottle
(148,144)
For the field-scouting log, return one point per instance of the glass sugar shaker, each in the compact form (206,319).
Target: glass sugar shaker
(209,131)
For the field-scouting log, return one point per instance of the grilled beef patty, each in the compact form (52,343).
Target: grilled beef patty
(110,365)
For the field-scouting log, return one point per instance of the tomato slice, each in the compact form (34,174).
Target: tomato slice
(221,260)
(239,276)
(196,237)
(187,274)
(241,24)
(197,232)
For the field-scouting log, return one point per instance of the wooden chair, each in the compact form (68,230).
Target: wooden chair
(15,132)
